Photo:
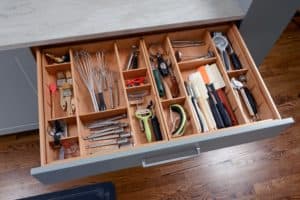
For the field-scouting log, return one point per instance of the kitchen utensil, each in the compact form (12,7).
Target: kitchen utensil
(249,102)
(119,141)
(101,134)
(234,58)
(158,79)
(221,111)
(181,57)
(187,43)
(110,137)
(103,69)
(98,82)
(250,96)
(57,59)
(200,91)
(84,65)
(106,121)
(221,43)
(133,58)
(154,122)
(162,65)
(144,115)
(216,78)
(52,89)
(197,110)
(135,81)
(180,128)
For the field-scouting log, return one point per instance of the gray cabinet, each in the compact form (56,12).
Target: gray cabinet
(18,99)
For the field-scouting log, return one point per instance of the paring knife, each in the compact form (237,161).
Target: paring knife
(220,107)
(214,108)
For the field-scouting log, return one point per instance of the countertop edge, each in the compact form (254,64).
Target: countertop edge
(119,32)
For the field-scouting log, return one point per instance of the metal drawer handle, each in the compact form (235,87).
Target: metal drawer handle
(187,155)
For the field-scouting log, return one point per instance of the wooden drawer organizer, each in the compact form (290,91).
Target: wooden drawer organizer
(117,52)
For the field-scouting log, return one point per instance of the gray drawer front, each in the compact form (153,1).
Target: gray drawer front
(159,153)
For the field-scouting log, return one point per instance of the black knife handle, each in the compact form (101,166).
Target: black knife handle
(215,112)
(156,128)
(220,106)
(235,61)
(251,100)
(224,114)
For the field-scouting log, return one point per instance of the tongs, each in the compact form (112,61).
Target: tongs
(247,97)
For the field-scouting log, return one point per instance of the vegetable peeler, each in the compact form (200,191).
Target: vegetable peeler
(144,115)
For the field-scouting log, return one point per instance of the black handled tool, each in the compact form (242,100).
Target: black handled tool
(58,131)
(156,128)
(155,123)
(133,58)
(251,100)
(162,65)
(247,97)
(234,58)
(220,106)
(214,108)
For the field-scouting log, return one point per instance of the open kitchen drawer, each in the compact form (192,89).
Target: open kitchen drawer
(78,159)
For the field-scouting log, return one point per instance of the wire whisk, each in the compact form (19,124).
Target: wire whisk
(84,65)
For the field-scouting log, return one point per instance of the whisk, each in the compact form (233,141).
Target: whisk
(108,79)
(103,69)
(84,66)
(98,81)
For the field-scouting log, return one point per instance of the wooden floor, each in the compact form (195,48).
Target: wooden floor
(268,169)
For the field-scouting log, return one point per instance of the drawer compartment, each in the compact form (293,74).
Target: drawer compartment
(108,105)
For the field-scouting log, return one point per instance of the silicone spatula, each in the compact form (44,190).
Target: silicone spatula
(200,92)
